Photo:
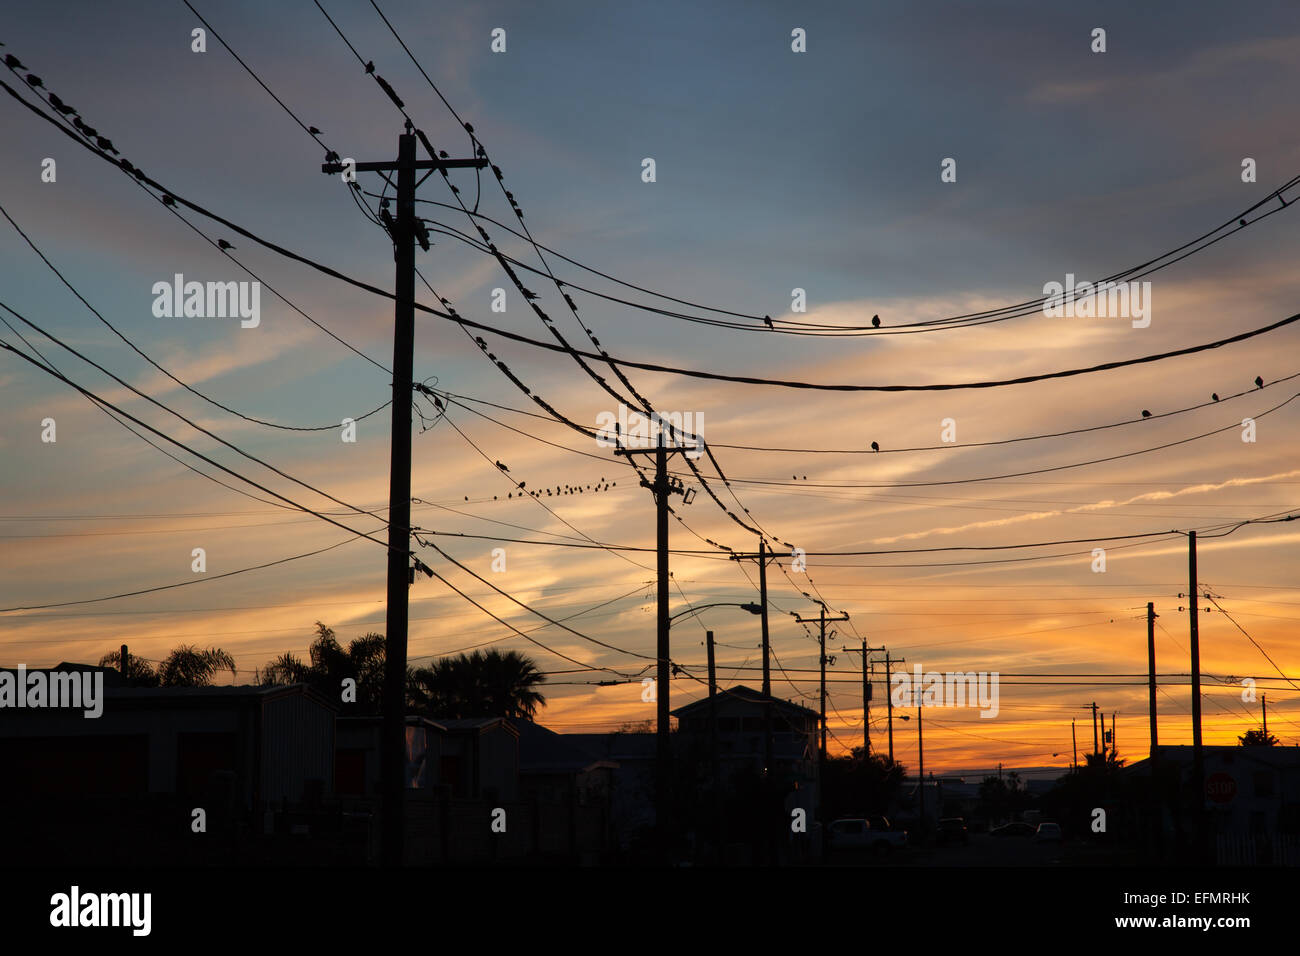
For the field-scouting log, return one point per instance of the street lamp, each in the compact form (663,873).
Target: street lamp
(713,689)
(751,608)
(920,754)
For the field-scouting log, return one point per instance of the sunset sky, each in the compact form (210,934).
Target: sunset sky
(775,170)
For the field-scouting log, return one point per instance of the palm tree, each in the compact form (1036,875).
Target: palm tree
(185,666)
(329,665)
(189,666)
(139,672)
(477,685)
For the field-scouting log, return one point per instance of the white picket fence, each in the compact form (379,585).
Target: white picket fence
(1274,849)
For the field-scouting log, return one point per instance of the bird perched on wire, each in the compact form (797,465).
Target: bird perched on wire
(34,80)
(168,200)
(767,319)
(1145,413)
(1214,395)
(370,66)
(222,244)
(502,467)
(61,106)
(875,446)
(1259,382)
(106,144)
(13,62)
(875,321)
(313,130)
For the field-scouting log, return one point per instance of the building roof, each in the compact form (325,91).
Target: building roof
(747,695)
(479,724)
(1182,756)
(617,746)
(542,750)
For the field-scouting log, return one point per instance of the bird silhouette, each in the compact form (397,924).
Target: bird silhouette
(1145,413)
(106,144)
(331,156)
(875,447)
(875,321)
(768,320)
(370,66)
(1214,395)
(222,244)
(13,62)
(1242,221)
(529,295)
(313,130)
(442,153)
(61,106)
(502,467)
(34,80)
(1259,382)
(168,200)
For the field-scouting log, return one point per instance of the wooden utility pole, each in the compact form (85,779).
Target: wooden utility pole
(889,697)
(763,556)
(1198,756)
(1151,674)
(866,693)
(122,659)
(1074,740)
(821,620)
(1192,591)
(662,487)
(1095,743)
(405,231)
(920,759)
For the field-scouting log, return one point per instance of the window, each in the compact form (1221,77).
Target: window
(1263,783)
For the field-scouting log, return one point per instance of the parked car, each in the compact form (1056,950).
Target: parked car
(1013,830)
(859,834)
(952,830)
(1048,833)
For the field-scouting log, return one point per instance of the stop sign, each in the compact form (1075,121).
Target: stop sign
(1220,788)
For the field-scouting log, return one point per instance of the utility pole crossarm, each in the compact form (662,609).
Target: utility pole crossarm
(419,164)
(405,230)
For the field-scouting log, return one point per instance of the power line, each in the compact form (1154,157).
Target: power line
(653,367)
(189,388)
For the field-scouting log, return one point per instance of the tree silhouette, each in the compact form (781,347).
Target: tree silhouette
(190,666)
(329,664)
(480,684)
(139,672)
(1257,738)
(185,666)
